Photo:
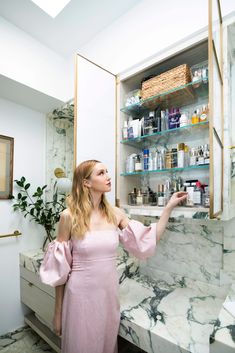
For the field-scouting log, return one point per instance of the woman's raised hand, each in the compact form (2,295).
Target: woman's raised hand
(176,199)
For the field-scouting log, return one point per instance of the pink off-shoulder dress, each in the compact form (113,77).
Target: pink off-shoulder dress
(91,312)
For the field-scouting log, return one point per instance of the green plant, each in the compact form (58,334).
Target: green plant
(46,213)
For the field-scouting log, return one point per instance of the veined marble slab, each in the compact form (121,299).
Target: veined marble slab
(166,313)
(223,335)
(168,317)
(191,249)
(31,259)
(127,265)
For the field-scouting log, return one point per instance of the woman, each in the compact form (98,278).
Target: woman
(81,262)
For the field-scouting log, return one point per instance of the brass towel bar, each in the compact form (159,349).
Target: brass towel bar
(15,234)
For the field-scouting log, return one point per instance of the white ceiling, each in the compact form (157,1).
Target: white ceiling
(78,23)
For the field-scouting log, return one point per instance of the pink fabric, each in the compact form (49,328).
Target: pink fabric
(56,264)
(139,240)
(91,312)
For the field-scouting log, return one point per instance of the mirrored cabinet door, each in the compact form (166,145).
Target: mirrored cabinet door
(215,46)
(95,115)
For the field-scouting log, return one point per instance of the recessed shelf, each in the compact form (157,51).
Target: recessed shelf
(156,211)
(188,129)
(170,170)
(182,95)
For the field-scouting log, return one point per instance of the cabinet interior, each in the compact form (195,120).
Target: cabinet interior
(192,55)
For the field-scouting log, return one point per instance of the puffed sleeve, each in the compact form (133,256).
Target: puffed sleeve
(138,239)
(57,261)
(56,265)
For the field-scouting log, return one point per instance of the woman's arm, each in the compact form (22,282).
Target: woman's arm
(57,320)
(63,234)
(175,199)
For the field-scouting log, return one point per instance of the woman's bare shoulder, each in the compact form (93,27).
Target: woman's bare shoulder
(66,215)
(64,226)
(122,219)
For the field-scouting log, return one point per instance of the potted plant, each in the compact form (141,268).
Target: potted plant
(46,213)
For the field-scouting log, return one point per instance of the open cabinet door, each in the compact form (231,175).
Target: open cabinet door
(95,115)
(215,36)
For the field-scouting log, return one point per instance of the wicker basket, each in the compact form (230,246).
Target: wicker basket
(166,81)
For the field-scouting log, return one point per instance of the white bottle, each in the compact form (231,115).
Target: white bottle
(183,120)
(155,160)
(150,166)
(180,155)
(125,131)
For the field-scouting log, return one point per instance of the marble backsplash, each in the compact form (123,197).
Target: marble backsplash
(59,144)
(197,250)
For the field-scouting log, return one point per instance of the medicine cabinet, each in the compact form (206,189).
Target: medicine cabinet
(101,113)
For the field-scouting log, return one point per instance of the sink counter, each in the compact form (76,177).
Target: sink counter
(167,314)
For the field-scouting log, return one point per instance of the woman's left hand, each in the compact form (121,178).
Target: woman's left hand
(176,199)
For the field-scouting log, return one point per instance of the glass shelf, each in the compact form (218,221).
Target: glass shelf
(199,212)
(188,129)
(177,97)
(170,170)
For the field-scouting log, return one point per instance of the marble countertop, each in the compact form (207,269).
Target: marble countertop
(169,314)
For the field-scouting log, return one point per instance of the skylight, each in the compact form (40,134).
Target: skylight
(51,7)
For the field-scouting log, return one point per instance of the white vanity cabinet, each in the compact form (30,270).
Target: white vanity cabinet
(40,298)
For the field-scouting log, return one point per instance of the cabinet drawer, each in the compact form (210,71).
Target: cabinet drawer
(35,279)
(36,299)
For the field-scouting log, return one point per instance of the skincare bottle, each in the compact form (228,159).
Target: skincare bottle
(161,196)
(150,166)
(125,131)
(146,158)
(139,198)
(204,114)
(183,119)
(138,163)
(195,117)
(197,193)
(130,132)
(180,155)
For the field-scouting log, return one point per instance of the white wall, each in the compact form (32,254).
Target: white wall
(28,129)
(147,29)
(29,62)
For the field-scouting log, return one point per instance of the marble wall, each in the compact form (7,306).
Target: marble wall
(227,273)
(60,144)
(202,250)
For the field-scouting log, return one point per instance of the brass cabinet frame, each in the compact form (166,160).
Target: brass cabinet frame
(212,53)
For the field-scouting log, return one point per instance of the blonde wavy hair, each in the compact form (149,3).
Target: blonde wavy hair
(80,201)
